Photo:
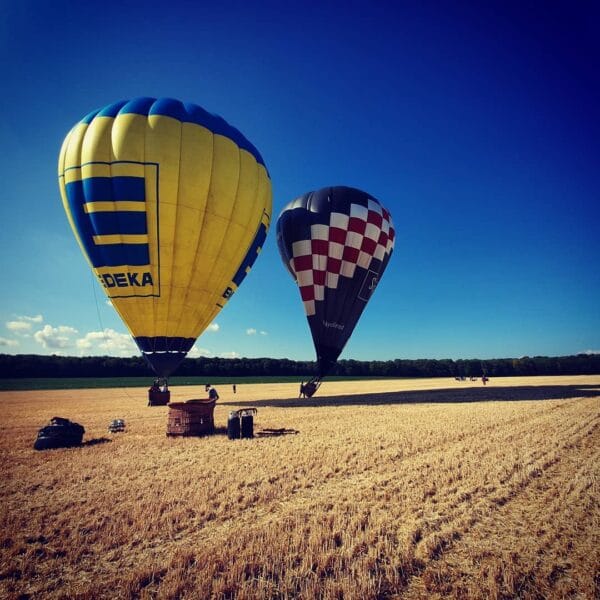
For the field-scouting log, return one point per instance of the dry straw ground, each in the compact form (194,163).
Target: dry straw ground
(383,489)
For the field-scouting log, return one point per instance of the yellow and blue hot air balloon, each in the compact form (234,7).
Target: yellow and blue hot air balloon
(171,206)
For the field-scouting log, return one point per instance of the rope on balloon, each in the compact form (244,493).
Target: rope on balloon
(98,308)
(122,389)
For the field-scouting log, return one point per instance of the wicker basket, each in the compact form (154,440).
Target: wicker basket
(158,398)
(194,417)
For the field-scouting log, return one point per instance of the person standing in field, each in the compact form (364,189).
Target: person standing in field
(213,394)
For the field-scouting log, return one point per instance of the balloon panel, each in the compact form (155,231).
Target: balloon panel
(336,243)
(171,206)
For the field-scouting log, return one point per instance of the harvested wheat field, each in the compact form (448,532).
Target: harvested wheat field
(378,489)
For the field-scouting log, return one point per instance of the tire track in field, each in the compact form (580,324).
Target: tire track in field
(517,478)
(369,471)
(417,566)
(429,545)
(306,501)
(300,499)
(373,476)
(537,506)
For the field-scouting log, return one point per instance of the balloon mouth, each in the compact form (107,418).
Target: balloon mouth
(164,363)
(164,354)
(326,360)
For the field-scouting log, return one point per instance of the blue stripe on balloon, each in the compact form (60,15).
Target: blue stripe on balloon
(169,107)
(251,255)
(112,110)
(76,200)
(132,189)
(87,225)
(138,106)
(90,116)
(186,113)
(115,255)
(118,222)
(164,344)
(103,189)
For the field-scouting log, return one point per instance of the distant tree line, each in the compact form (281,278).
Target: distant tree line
(34,365)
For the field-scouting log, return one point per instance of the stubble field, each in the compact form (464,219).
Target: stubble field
(375,489)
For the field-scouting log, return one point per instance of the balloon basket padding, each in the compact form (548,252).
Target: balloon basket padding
(240,424)
(60,433)
(191,418)
(158,398)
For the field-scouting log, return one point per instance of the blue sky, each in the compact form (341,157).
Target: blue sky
(476,126)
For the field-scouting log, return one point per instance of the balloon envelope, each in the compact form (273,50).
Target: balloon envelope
(336,243)
(170,206)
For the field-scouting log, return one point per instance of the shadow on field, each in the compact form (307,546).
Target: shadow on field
(271,432)
(448,395)
(265,432)
(96,441)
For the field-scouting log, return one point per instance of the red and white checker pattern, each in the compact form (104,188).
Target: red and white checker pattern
(334,250)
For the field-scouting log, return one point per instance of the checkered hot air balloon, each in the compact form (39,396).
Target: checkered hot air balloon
(336,243)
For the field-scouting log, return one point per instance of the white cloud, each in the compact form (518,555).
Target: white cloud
(18,326)
(229,355)
(591,352)
(36,319)
(108,341)
(55,337)
(23,323)
(213,327)
(253,331)
(196,352)
(7,342)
